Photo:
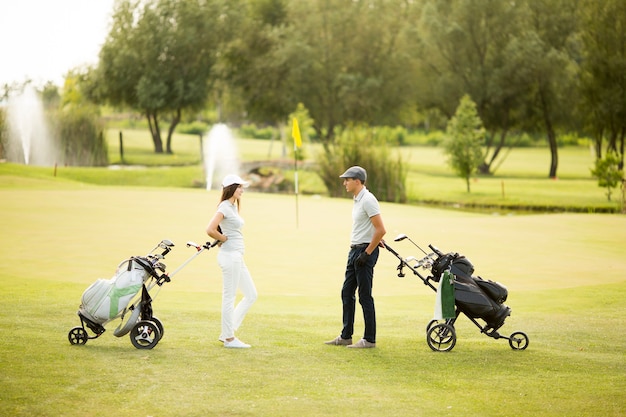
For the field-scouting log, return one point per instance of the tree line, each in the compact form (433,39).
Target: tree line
(543,67)
(538,66)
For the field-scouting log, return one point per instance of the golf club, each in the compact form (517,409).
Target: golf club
(402,236)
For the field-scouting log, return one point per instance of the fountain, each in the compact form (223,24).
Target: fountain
(220,156)
(29,140)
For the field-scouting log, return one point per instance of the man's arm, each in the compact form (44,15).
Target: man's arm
(379,232)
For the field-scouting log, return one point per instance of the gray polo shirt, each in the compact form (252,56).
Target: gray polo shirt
(365,206)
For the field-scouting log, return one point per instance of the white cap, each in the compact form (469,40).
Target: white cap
(231,179)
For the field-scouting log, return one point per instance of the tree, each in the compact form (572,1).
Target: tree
(158,59)
(541,58)
(349,62)
(250,66)
(608,173)
(465,138)
(603,75)
(462,50)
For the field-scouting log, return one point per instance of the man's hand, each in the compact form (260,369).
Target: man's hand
(361,260)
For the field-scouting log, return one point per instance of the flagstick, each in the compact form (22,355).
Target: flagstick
(297,142)
(295,164)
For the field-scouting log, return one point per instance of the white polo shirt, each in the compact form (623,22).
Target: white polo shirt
(365,207)
(231,227)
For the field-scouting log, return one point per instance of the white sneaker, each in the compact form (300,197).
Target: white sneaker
(362,344)
(236,343)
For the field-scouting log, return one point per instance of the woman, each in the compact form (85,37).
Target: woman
(225,226)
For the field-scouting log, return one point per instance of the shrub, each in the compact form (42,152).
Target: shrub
(608,173)
(251,131)
(568,139)
(82,138)
(392,136)
(193,128)
(435,137)
(361,146)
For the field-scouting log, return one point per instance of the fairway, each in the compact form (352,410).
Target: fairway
(564,273)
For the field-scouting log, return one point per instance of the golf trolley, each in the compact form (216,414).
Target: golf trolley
(127,295)
(476,298)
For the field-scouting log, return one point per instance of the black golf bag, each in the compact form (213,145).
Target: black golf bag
(474,296)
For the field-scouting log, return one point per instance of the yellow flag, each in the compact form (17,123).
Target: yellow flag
(295,134)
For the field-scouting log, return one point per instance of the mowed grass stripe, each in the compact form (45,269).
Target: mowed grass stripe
(564,273)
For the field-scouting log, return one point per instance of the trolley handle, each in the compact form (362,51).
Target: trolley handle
(206,245)
(434,249)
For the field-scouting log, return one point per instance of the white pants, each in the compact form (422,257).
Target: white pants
(234,274)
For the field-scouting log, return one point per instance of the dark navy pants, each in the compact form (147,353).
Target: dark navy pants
(360,278)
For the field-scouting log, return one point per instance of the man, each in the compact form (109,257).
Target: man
(367,234)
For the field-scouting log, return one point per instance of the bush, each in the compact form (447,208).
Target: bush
(361,146)
(392,136)
(193,128)
(572,139)
(251,131)
(522,140)
(82,138)
(435,137)
(607,172)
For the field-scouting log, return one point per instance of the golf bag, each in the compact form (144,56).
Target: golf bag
(474,296)
(106,299)
(127,296)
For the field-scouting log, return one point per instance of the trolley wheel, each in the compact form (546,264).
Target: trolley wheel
(77,336)
(145,335)
(518,341)
(430,324)
(441,337)
(159,325)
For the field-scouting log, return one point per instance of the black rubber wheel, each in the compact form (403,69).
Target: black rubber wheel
(441,337)
(430,324)
(518,341)
(145,335)
(159,325)
(78,336)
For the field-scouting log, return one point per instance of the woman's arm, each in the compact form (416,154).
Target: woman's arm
(212,228)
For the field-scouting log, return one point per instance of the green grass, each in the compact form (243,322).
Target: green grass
(138,149)
(520,183)
(564,272)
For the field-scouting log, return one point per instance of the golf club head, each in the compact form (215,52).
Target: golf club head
(166,243)
(400,237)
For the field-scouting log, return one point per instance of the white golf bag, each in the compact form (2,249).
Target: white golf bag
(127,296)
(106,299)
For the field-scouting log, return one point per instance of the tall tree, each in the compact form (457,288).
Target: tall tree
(603,75)
(251,67)
(348,61)
(158,58)
(462,51)
(544,61)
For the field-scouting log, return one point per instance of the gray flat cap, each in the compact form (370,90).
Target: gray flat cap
(355,172)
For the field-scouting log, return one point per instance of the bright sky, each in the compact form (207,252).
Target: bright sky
(43,39)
